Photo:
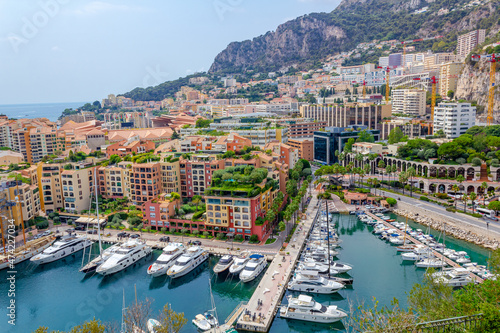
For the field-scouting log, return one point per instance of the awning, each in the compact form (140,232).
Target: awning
(230,235)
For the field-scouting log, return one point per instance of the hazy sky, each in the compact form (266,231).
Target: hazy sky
(77,50)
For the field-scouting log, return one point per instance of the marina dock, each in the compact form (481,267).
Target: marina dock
(258,314)
(437,254)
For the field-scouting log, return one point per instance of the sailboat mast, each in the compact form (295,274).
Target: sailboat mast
(124,326)
(97,212)
(214,309)
(328,237)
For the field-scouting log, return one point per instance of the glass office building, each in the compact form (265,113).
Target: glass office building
(335,138)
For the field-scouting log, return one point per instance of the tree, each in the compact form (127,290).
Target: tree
(473,196)
(494,205)
(484,186)
(455,189)
(175,135)
(395,136)
(450,94)
(410,174)
(170,321)
(381,165)
(460,179)
(114,159)
(365,136)
(476,161)
(175,195)
(403,178)
(391,201)
(465,198)
(203,123)
(450,151)
(138,314)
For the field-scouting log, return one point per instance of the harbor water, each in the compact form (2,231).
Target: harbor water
(58,296)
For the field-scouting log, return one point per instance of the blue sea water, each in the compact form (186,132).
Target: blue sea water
(57,295)
(52,111)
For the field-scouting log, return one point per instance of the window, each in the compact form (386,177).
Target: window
(151,208)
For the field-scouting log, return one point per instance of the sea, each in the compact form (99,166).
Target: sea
(52,111)
(58,296)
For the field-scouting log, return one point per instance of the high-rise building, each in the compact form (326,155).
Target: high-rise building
(76,186)
(304,146)
(145,183)
(467,42)
(454,118)
(410,102)
(448,77)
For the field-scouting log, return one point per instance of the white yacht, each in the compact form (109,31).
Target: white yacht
(340,267)
(306,308)
(64,247)
(239,263)
(25,252)
(313,283)
(253,268)
(128,254)
(431,263)
(315,267)
(224,263)
(453,277)
(99,260)
(192,258)
(152,324)
(166,259)
(419,253)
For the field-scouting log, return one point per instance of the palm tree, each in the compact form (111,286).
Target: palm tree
(473,196)
(455,189)
(375,182)
(410,174)
(394,169)
(388,171)
(381,165)
(484,186)
(403,178)
(465,198)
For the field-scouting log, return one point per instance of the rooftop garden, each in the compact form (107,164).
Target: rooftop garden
(240,181)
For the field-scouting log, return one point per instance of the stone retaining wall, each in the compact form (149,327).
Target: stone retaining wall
(454,227)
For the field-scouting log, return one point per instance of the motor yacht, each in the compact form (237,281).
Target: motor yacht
(453,277)
(192,258)
(152,324)
(64,247)
(253,268)
(420,253)
(224,263)
(407,248)
(431,263)
(201,322)
(340,267)
(128,254)
(25,252)
(306,308)
(166,259)
(314,283)
(316,267)
(473,267)
(239,263)
(99,260)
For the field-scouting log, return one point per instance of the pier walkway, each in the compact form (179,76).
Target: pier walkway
(437,254)
(272,287)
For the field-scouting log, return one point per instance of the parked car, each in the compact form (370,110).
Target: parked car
(196,242)
(93,232)
(134,236)
(80,227)
(122,234)
(165,239)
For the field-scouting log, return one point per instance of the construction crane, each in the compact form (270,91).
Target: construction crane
(491,98)
(388,71)
(433,97)
(364,89)
(414,41)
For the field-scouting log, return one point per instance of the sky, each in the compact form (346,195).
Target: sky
(78,50)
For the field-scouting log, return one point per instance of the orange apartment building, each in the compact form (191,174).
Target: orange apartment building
(145,183)
(305,148)
(125,147)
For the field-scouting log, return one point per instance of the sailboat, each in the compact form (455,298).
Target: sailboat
(406,247)
(93,264)
(207,320)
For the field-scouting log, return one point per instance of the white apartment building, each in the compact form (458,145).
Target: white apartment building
(454,118)
(448,77)
(467,42)
(409,102)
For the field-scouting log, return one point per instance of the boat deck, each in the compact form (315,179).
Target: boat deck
(437,254)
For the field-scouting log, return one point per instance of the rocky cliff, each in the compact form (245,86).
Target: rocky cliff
(306,39)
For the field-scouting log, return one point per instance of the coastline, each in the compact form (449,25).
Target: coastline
(455,228)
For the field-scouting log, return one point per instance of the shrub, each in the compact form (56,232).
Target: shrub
(196,232)
(442,196)
(238,237)
(424,198)
(42,225)
(450,209)
(391,201)
(477,215)
(197,215)
(206,233)
(220,236)
(184,230)
(254,238)
(476,161)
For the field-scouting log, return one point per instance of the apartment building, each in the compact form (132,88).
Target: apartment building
(362,114)
(448,77)
(15,195)
(157,212)
(454,118)
(410,127)
(77,185)
(196,174)
(49,183)
(145,183)
(170,175)
(305,148)
(467,42)
(127,147)
(114,181)
(410,102)
(366,148)
(302,128)
(287,154)
(433,61)
(43,141)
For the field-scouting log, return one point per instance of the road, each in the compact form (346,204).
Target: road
(494,227)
